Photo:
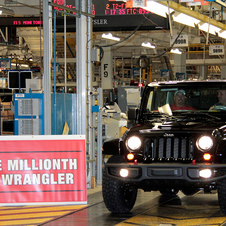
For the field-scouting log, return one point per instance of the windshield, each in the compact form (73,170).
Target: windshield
(190,97)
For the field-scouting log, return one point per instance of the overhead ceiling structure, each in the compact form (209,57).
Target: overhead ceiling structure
(33,37)
(6,11)
(129,45)
(23,7)
(200,18)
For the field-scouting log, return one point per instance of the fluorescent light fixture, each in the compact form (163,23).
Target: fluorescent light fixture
(110,36)
(22,65)
(222,34)
(157,8)
(212,29)
(176,51)
(185,19)
(6,11)
(148,45)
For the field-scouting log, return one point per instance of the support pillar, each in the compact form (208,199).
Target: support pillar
(179,63)
(47,53)
(223,72)
(203,72)
(99,138)
(81,68)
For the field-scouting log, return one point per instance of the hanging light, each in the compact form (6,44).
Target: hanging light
(222,34)
(212,29)
(110,36)
(185,19)
(176,51)
(157,8)
(148,45)
(22,65)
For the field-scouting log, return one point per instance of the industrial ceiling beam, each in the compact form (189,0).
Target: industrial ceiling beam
(194,14)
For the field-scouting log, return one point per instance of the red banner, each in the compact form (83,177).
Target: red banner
(43,169)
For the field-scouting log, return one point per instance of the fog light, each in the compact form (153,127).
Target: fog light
(207,156)
(205,173)
(124,173)
(130,156)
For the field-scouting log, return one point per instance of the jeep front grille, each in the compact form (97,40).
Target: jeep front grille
(168,149)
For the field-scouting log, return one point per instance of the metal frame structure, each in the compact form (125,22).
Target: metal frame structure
(84,78)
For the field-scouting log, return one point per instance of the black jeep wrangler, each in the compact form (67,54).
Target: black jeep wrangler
(172,146)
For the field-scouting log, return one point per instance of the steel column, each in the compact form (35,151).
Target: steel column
(89,145)
(47,52)
(99,138)
(81,69)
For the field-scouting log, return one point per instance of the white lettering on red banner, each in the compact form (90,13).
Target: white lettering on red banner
(40,164)
(37,179)
(46,169)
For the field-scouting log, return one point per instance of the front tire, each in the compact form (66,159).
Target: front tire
(222,195)
(118,196)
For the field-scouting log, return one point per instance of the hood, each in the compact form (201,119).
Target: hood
(178,124)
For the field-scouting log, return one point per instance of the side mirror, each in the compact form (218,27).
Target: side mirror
(132,113)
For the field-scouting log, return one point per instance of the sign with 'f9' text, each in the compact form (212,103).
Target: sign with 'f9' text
(42,169)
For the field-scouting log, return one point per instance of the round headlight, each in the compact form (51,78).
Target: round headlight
(134,143)
(204,143)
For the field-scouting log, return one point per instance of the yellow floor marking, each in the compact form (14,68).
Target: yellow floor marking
(35,215)
(179,215)
(41,209)
(154,221)
(25,222)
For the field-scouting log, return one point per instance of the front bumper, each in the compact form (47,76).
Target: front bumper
(166,171)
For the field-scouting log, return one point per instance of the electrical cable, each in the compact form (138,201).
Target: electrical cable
(145,57)
(101,51)
(155,23)
(146,60)
(135,30)
(171,45)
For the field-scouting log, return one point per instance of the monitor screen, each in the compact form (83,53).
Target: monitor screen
(23,76)
(17,79)
(13,79)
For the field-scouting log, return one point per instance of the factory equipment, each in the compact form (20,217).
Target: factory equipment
(29,114)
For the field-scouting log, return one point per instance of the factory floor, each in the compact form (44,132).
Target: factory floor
(151,209)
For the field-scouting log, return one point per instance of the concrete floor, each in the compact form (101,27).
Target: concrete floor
(151,208)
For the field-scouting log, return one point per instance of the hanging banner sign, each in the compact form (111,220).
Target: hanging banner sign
(43,169)
(106,69)
(216,50)
(5,63)
(132,3)
(139,3)
(182,41)
(195,2)
(221,2)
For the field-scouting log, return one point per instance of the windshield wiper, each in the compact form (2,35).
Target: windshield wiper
(156,115)
(201,114)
